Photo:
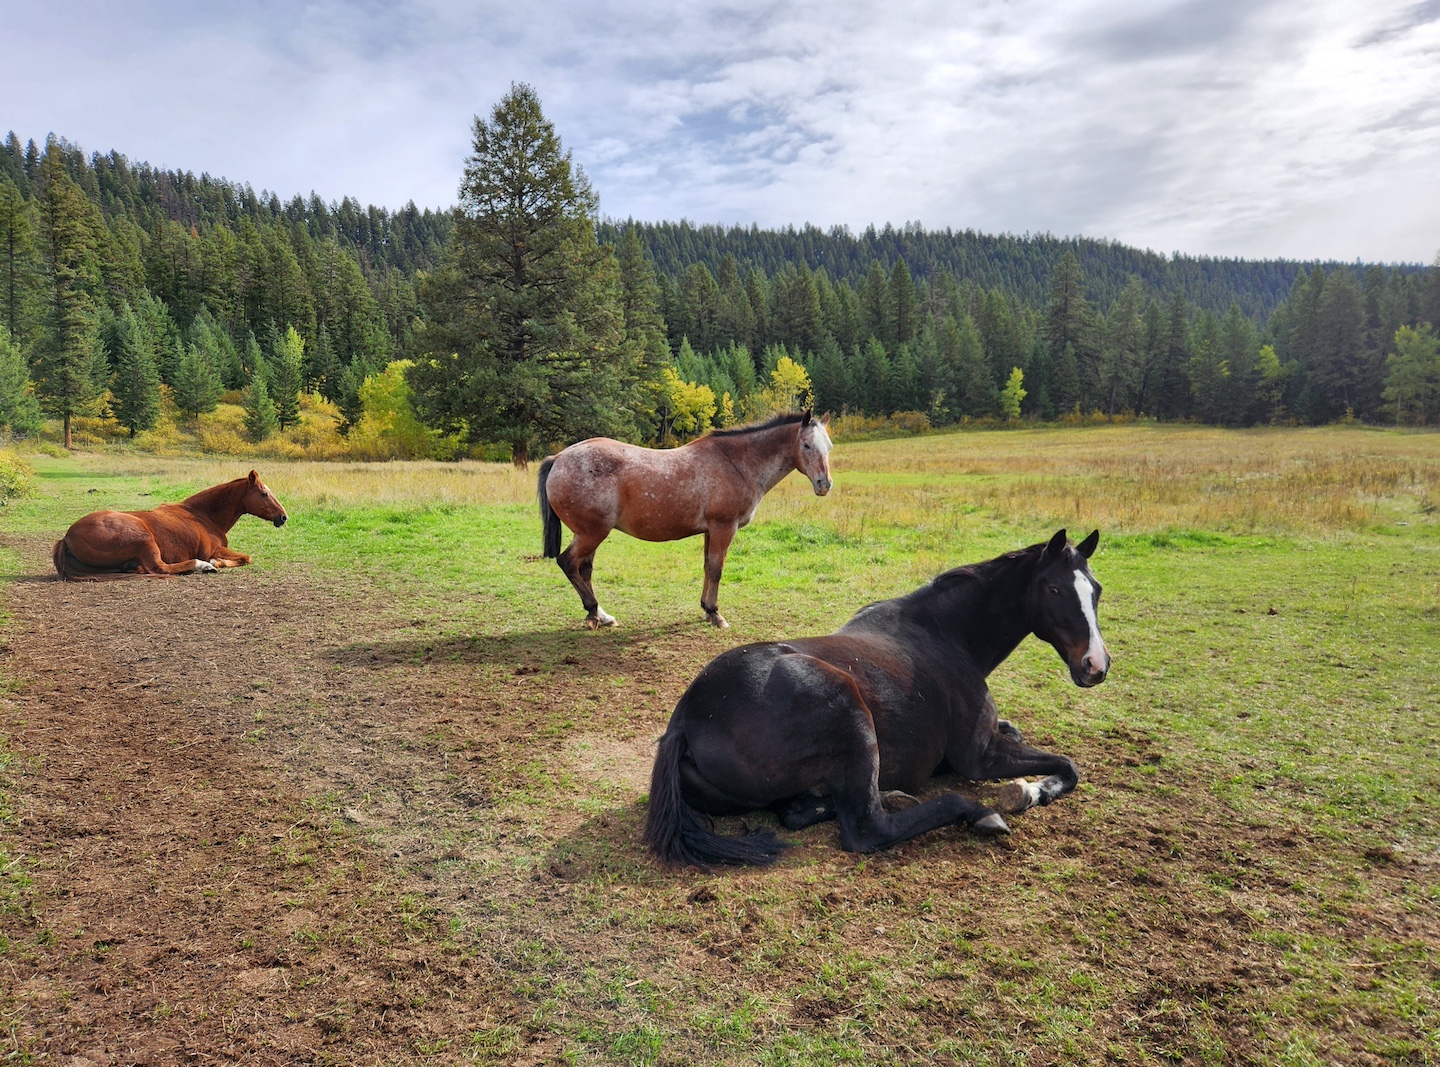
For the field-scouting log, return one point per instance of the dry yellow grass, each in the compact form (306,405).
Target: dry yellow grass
(1132,479)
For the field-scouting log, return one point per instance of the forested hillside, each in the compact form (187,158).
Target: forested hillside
(117,277)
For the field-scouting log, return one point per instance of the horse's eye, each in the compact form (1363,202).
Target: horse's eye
(1054,590)
(807,448)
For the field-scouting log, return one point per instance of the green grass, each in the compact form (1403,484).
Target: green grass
(1250,871)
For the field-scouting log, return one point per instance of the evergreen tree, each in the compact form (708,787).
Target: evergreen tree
(17,261)
(1172,391)
(1123,351)
(135,384)
(1412,382)
(69,364)
(830,377)
(875,319)
(1152,359)
(644,327)
(285,377)
(1239,348)
(19,412)
(902,304)
(260,421)
(219,351)
(1209,372)
(197,385)
(871,372)
(974,386)
(154,319)
(1345,376)
(526,337)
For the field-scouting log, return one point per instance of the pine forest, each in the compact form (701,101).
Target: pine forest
(133,298)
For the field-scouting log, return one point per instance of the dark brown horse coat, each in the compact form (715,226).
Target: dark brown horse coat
(172,539)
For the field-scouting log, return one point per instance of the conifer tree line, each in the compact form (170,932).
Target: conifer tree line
(529,321)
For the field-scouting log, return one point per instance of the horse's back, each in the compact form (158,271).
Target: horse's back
(648,493)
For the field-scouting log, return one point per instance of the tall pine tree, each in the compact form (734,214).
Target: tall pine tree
(525,341)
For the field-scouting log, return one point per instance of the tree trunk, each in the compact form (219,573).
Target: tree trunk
(520,454)
(69,443)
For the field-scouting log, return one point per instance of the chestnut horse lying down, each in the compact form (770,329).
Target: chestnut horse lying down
(825,727)
(178,538)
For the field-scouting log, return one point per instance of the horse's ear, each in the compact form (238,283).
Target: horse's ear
(805,419)
(254,477)
(825,420)
(1087,547)
(1055,547)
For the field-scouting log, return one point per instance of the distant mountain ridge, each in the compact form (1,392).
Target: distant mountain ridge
(1019,265)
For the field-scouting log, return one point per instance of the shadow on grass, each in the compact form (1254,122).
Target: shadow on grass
(591,652)
(610,848)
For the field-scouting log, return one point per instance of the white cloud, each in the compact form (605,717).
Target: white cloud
(1211,126)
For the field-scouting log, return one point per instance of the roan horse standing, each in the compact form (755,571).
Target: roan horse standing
(711,485)
(817,728)
(173,539)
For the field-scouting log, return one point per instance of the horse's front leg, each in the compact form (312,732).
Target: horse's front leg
(228,557)
(1008,757)
(717,542)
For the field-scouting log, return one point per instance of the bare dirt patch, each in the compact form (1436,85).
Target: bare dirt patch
(271,822)
(190,902)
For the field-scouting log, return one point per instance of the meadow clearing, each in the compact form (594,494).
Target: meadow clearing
(377,798)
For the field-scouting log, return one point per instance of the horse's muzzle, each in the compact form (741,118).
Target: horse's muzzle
(822,487)
(281,520)
(1086,674)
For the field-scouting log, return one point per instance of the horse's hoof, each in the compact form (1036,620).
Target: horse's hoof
(204,566)
(992,824)
(895,800)
(599,619)
(1017,796)
(716,620)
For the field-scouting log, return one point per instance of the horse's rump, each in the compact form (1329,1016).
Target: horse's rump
(71,568)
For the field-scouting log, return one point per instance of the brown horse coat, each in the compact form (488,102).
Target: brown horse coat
(172,539)
(711,486)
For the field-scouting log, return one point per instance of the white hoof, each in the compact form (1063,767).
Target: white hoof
(599,619)
(1018,796)
(716,620)
(992,824)
(204,566)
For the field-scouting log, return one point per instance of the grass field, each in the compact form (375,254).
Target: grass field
(1249,872)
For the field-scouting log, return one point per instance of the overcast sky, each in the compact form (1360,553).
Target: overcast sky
(1297,128)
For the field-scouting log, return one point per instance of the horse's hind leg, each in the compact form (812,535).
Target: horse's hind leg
(808,809)
(854,782)
(717,543)
(578,563)
(805,810)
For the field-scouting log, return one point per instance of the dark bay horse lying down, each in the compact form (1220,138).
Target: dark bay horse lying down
(178,538)
(711,485)
(819,728)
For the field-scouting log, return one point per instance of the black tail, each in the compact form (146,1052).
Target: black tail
(549,521)
(678,834)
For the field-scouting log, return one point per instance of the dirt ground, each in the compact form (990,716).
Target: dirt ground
(192,907)
(182,747)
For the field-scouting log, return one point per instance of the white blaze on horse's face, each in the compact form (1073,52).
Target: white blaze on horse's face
(1095,663)
(813,460)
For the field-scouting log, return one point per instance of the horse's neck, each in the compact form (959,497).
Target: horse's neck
(985,608)
(219,505)
(766,455)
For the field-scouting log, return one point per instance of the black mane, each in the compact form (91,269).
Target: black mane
(769,424)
